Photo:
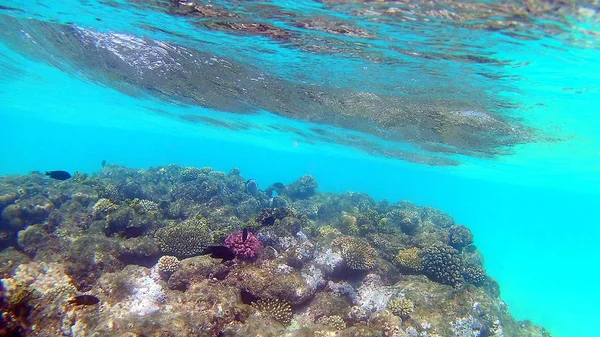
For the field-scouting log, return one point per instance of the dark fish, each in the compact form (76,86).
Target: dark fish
(59,175)
(278,186)
(84,300)
(251,187)
(244,234)
(220,252)
(103,163)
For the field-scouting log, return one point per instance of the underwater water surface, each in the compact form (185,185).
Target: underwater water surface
(484,110)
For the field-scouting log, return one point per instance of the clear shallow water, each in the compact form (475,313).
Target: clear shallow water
(400,98)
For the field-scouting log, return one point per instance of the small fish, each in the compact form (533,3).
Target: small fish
(278,186)
(84,300)
(220,252)
(251,187)
(59,175)
(245,234)
(104,163)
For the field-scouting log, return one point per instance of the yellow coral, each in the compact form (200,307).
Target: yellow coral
(335,321)
(328,230)
(410,258)
(401,307)
(277,309)
(104,206)
(349,222)
(357,254)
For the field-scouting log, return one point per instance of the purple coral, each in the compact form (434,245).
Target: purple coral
(244,249)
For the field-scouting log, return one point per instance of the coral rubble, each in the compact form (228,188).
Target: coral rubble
(124,253)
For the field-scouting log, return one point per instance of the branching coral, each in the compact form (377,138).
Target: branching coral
(460,236)
(279,310)
(186,239)
(335,321)
(474,274)
(244,248)
(168,264)
(410,258)
(357,254)
(401,307)
(443,264)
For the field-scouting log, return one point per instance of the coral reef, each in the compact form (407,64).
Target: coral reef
(186,239)
(279,310)
(401,307)
(357,254)
(168,264)
(443,264)
(410,259)
(460,236)
(247,248)
(131,245)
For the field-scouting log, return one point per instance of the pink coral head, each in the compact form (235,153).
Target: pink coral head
(247,249)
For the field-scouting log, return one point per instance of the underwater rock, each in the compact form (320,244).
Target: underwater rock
(386,322)
(11,259)
(268,281)
(88,257)
(326,304)
(46,289)
(194,269)
(140,250)
(374,295)
(7,199)
(32,238)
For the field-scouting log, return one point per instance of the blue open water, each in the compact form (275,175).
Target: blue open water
(529,192)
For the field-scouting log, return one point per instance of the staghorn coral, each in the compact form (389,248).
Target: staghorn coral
(277,309)
(168,264)
(186,239)
(442,263)
(401,307)
(244,249)
(410,258)
(460,236)
(357,254)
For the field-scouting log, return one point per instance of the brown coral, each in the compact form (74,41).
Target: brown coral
(357,254)
(277,309)
(401,307)
(410,258)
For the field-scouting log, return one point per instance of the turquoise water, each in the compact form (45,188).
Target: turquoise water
(490,118)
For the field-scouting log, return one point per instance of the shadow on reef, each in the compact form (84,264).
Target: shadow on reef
(303,263)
